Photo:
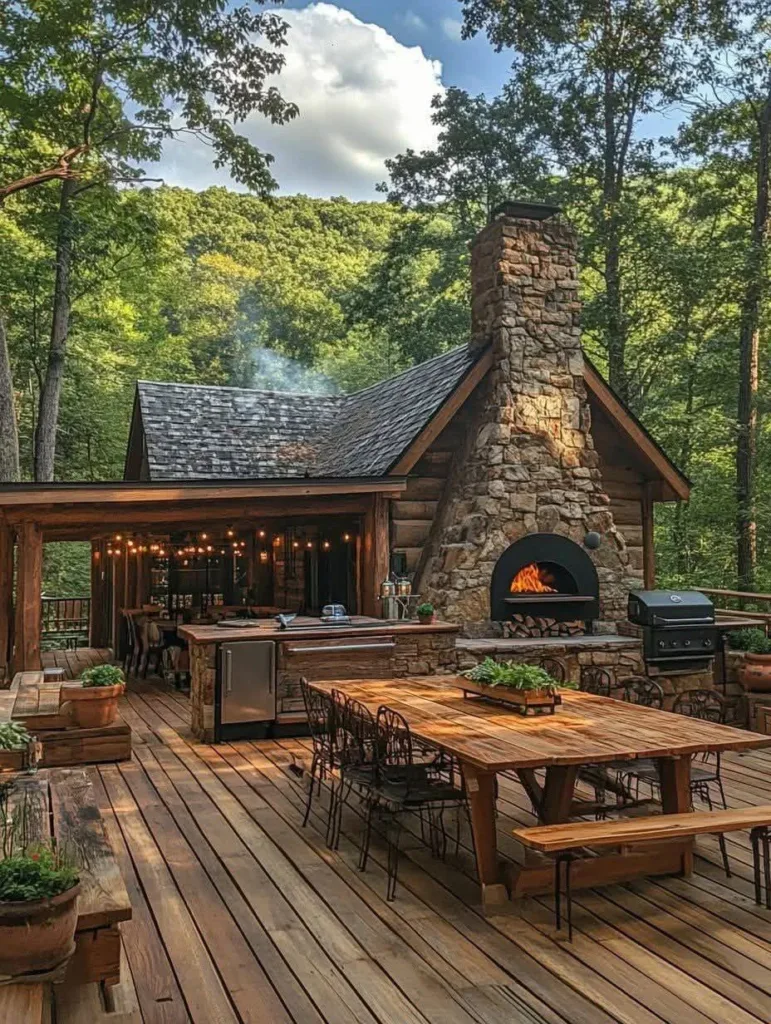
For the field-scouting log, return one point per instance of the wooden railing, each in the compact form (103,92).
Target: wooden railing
(65,618)
(736,603)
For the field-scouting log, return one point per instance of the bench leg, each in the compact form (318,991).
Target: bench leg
(567,860)
(766,867)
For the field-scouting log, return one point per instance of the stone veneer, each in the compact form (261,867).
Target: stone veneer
(529,464)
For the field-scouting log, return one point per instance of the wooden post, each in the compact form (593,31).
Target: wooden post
(26,652)
(98,627)
(376,555)
(6,597)
(649,550)
(118,601)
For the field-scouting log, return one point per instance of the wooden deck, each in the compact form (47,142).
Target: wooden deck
(73,662)
(241,915)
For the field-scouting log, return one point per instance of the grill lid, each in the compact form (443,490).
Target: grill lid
(661,607)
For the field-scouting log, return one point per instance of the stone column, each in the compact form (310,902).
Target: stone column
(529,465)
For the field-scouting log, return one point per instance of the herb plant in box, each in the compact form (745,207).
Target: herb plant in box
(755,673)
(16,747)
(38,894)
(528,687)
(94,704)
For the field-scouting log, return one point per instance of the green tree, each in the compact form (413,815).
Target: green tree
(92,89)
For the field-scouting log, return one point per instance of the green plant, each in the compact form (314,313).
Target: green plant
(425,609)
(13,736)
(515,676)
(40,872)
(754,641)
(102,675)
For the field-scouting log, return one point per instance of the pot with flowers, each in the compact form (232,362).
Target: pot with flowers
(94,703)
(17,747)
(38,896)
(529,688)
(755,672)
(426,614)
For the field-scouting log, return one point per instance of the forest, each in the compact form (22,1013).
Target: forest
(107,277)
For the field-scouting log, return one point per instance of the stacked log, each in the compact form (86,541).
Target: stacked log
(536,626)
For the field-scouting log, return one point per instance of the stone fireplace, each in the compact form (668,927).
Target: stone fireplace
(544,585)
(525,488)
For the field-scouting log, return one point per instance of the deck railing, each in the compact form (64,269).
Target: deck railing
(66,618)
(742,604)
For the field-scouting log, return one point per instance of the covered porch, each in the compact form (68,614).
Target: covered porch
(192,548)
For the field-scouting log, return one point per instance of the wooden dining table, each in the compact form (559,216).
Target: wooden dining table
(486,738)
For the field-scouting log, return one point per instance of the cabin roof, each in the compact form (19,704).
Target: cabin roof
(201,432)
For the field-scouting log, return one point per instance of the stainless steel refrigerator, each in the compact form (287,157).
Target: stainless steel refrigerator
(247,703)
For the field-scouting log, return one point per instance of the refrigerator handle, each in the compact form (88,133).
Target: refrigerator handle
(228,671)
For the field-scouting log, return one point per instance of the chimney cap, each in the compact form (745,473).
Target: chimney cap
(524,210)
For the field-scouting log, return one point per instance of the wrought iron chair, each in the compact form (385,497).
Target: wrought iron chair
(403,784)
(356,740)
(642,690)
(320,709)
(557,669)
(595,680)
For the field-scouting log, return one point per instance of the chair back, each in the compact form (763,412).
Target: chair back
(705,704)
(556,669)
(356,731)
(595,680)
(643,691)
(319,708)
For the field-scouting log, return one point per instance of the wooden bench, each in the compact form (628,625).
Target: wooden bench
(33,701)
(564,839)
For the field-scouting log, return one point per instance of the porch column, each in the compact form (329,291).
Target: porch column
(649,550)
(98,628)
(376,554)
(26,650)
(6,597)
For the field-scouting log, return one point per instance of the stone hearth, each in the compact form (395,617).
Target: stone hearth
(528,465)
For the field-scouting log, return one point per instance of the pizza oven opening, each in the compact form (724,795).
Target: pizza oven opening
(545,585)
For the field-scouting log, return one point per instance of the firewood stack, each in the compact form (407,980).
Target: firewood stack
(529,626)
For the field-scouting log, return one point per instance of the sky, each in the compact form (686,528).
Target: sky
(363,73)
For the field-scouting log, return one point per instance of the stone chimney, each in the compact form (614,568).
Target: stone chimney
(529,465)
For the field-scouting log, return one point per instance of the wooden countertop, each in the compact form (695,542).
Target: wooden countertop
(309,629)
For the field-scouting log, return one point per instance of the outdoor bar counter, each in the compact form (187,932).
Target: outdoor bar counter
(367,647)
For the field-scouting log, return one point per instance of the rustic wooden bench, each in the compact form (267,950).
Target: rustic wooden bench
(564,839)
(63,806)
(33,701)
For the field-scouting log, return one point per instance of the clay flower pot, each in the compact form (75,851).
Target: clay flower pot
(36,935)
(90,707)
(755,673)
(427,620)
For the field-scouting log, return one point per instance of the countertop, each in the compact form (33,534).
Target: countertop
(310,629)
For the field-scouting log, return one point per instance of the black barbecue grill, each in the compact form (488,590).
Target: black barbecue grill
(678,625)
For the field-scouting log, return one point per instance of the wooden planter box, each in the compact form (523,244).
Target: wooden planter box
(17,760)
(524,701)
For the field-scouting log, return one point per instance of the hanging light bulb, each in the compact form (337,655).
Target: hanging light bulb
(118,536)
(295,544)
(209,547)
(326,545)
(229,533)
(346,537)
(204,536)
(261,534)
(309,544)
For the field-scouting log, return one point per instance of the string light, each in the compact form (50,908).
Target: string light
(326,545)
(230,534)
(118,536)
(346,537)
(261,533)
(309,544)
(204,536)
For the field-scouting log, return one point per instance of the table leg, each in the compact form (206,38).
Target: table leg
(675,775)
(480,787)
(558,790)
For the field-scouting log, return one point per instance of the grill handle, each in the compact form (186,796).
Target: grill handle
(659,620)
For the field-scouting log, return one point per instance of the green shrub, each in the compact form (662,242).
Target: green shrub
(102,675)
(13,736)
(514,675)
(39,873)
(425,609)
(754,641)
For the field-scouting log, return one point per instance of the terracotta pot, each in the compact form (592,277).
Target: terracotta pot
(36,935)
(90,707)
(755,673)
(427,620)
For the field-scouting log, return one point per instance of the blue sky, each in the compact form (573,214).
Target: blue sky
(363,73)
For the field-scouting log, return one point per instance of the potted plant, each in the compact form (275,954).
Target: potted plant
(38,897)
(94,703)
(17,747)
(528,687)
(755,672)
(426,613)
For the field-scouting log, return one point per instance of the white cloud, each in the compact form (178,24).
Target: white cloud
(452,28)
(362,95)
(412,20)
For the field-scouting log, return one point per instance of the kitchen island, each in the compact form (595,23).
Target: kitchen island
(363,647)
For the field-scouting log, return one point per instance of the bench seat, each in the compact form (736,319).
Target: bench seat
(651,828)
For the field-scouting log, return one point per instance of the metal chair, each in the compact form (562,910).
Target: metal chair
(556,668)
(642,690)
(595,680)
(355,756)
(402,784)
(319,708)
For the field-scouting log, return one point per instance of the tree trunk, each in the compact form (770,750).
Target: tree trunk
(747,412)
(616,331)
(9,437)
(680,527)
(48,413)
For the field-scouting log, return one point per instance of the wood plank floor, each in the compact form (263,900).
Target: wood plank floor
(240,914)
(73,662)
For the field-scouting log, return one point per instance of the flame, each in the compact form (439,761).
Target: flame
(532,579)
